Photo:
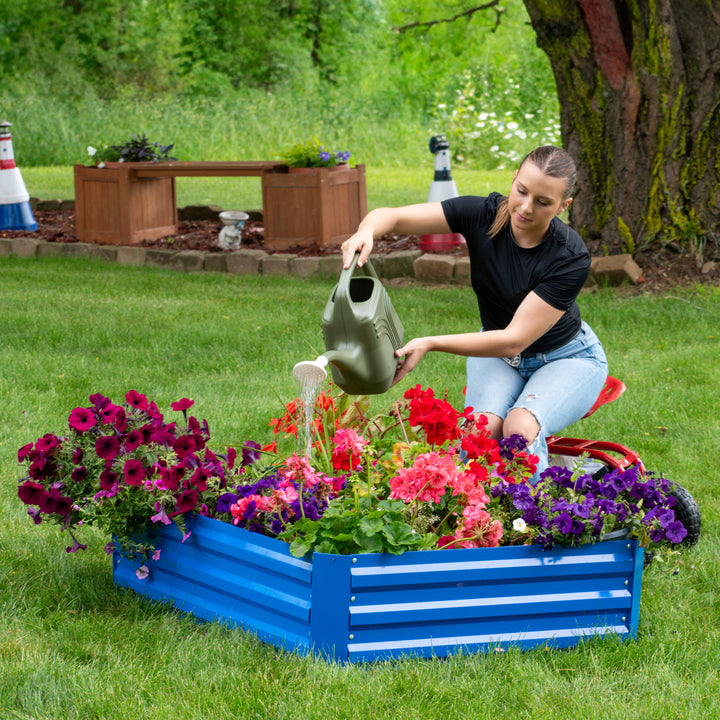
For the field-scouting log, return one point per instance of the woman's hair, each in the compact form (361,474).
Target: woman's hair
(553,161)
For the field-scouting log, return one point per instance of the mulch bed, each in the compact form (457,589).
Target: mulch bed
(663,269)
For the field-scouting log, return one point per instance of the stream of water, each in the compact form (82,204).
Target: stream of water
(309,388)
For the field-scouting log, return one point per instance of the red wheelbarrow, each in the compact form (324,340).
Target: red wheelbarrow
(608,456)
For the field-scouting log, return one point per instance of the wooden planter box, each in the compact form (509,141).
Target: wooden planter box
(322,207)
(114,207)
(370,607)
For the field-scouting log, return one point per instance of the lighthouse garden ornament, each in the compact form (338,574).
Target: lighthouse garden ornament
(15,211)
(408,532)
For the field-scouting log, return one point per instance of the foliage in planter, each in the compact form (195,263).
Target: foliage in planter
(137,149)
(421,475)
(311,153)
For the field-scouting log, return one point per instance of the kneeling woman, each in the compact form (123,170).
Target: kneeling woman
(535,367)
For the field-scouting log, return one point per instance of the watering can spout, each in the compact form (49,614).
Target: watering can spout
(314,371)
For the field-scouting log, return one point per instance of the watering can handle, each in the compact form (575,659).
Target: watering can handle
(343,286)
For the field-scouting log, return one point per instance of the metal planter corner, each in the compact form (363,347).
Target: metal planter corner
(359,608)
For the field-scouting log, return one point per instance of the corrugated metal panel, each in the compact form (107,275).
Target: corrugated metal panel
(523,596)
(371,607)
(224,573)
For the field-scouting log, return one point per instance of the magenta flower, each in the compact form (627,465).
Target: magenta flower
(184,404)
(133,472)
(24,451)
(32,493)
(110,414)
(137,400)
(108,479)
(46,443)
(82,419)
(107,447)
(184,445)
(133,441)
(186,502)
(99,401)
(54,503)
(170,478)
(79,474)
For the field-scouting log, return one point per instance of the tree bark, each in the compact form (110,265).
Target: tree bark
(639,89)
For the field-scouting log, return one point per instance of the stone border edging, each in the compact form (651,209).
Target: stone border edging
(438,269)
(412,264)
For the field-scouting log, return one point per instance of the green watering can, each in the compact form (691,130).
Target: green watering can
(362,331)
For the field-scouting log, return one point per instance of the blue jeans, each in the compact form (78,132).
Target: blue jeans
(557,387)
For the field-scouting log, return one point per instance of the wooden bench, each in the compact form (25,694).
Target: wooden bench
(126,203)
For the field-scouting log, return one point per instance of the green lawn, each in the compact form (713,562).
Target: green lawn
(72,645)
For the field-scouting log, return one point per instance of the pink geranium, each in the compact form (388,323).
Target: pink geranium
(426,480)
(298,469)
(478,529)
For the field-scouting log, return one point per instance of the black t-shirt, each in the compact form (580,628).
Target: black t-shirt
(503,273)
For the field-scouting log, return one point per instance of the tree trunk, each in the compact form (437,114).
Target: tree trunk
(639,89)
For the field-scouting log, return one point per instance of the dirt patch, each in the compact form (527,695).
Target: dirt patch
(663,269)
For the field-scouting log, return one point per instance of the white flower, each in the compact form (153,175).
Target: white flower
(519,525)
(91,150)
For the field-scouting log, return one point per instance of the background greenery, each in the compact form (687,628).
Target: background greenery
(242,80)
(74,646)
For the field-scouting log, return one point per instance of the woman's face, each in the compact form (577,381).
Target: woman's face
(535,198)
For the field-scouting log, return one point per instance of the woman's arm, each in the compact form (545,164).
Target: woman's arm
(533,318)
(422,219)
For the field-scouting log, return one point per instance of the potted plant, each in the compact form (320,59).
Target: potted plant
(383,539)
(312,154)
(113,206)
(136,149)
(311,204)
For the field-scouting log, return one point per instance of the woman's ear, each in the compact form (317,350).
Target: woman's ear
(564,206)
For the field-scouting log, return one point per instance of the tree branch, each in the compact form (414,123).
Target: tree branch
(464,14)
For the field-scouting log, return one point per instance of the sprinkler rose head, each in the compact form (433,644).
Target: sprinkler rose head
(311,372)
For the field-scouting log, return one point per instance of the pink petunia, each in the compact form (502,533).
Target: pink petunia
(184,404)
(142,572)
(161,517)
(82,419)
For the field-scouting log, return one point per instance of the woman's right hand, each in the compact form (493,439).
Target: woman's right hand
(362,242)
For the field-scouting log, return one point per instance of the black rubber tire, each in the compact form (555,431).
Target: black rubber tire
(687,512)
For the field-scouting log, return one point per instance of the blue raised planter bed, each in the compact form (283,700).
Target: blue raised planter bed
(357,608)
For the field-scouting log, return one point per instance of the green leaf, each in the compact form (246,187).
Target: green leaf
(299,548)
(371,525)
(369,543)
(401,534)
